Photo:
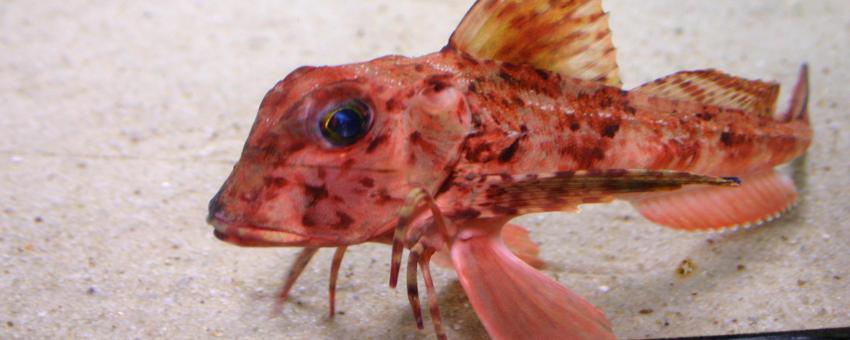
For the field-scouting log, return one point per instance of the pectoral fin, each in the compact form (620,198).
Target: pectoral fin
(518,241)
(504,195)
(515,301)
(568,37)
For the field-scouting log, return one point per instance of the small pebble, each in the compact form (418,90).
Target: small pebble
(686,268)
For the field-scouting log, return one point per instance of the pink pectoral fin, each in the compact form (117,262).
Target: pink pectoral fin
(518,241)
(760,198)
(515,301)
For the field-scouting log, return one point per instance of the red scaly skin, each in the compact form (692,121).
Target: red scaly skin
(531,121)
(290,188)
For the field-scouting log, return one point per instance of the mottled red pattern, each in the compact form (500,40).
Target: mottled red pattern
(521,112)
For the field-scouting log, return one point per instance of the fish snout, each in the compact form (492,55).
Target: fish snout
(215,206)
(216,215)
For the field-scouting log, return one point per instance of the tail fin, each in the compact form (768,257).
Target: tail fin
(799,108)
(515,301)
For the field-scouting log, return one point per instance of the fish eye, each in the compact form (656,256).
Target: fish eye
(345,124)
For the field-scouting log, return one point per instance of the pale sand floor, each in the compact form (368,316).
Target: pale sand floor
(120,119)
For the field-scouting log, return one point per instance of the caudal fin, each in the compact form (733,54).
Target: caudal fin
(515,301)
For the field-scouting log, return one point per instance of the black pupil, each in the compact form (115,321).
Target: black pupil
(345,126)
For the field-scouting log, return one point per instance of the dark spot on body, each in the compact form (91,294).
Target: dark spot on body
(314,194)
(610,130)
(321,173)
(705,116)
(542,74)
(581,96)
(574,126)
(377,141)
(726,138)
(447,183)
(511,67)
(308,220)
(438,82)
(393,104)
(508,78)
(586,152)
(276,182)
(343,221)
(418,68)
(367,182)
(508,153)
(383,196)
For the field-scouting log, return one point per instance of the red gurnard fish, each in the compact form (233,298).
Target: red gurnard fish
(521,112)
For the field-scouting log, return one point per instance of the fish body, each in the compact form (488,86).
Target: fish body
(437,153)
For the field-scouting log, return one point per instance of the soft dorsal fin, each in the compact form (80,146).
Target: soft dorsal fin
(570,37)
(715,88)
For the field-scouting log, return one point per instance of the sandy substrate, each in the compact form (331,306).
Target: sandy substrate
(120,119)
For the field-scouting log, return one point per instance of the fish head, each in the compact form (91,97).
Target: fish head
(334,151)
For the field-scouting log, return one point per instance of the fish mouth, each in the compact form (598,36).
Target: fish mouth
(249,235)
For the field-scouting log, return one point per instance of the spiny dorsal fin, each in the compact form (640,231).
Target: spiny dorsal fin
(715,88)
(570,37)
